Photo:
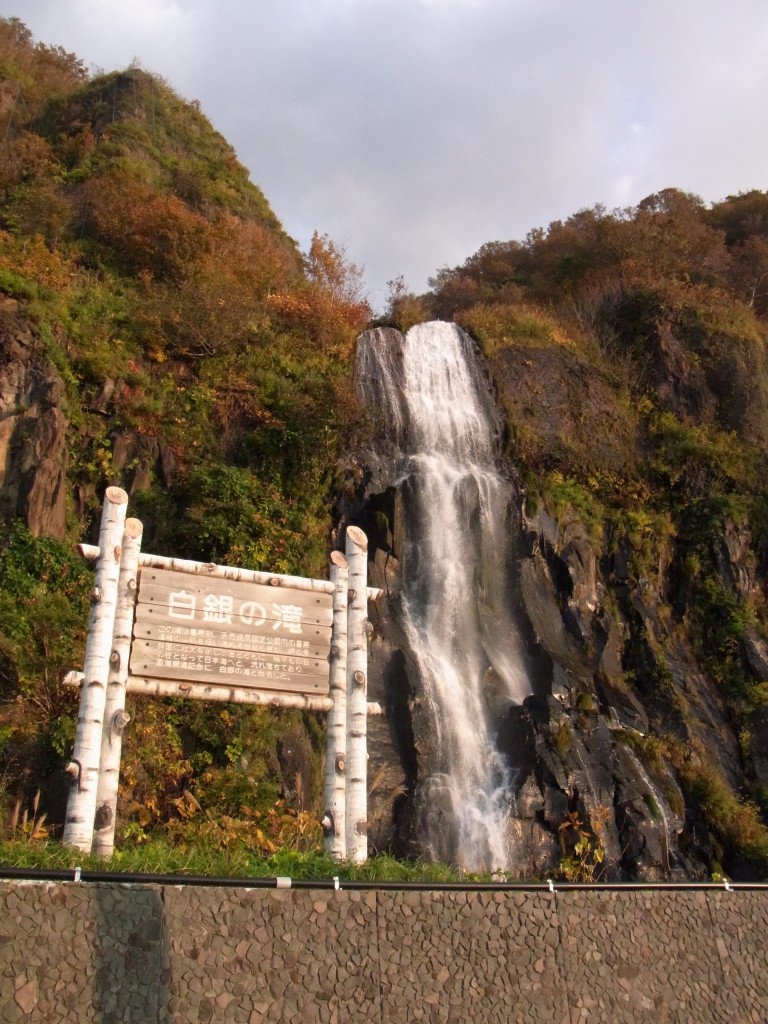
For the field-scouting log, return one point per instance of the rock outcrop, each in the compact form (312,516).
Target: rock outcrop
(33,428)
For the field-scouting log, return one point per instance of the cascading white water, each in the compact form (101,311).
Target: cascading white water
(456,611)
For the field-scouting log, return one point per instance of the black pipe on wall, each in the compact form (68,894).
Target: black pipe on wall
(284,882)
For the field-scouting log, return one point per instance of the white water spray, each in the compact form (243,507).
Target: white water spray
(456,610)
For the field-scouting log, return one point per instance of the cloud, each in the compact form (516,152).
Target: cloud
(412,131)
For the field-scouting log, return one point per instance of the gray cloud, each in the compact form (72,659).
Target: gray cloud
(412,131)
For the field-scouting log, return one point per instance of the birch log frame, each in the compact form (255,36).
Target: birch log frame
(227,572)
(115,717)
(357,689)
(84,766)
(334,819)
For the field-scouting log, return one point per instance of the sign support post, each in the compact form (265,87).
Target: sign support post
(357,697)
(334,818)
(86,756)
(115,715)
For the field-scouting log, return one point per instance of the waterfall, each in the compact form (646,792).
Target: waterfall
(431,393)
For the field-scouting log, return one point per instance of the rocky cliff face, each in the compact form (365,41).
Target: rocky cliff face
(33,428)
(605,753)
(577,746)
(35,442)
(564,744)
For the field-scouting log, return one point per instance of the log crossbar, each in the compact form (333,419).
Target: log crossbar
(228,572)
(230,694)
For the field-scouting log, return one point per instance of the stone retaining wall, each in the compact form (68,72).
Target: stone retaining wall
(146,954)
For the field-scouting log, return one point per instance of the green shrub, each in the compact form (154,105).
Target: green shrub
(44,589)
(736,821)
(564,496)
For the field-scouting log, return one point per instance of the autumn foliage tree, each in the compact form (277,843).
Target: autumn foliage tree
(31,75)
(144,231)
(219,300)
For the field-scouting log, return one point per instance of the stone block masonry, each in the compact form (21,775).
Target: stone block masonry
(109,953)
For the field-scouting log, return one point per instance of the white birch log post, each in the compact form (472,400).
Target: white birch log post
(357,697)
(84,766)
(334,825)
(115,716)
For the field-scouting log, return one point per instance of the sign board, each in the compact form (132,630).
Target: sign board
(208,630)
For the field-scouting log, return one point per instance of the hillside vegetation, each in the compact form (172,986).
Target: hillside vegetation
(159,330)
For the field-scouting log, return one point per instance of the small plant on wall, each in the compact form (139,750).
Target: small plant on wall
(582,847)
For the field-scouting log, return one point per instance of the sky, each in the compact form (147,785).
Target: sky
(413,131)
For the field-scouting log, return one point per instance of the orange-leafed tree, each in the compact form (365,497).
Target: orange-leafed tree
(219,300)
(147,231)
(331,306)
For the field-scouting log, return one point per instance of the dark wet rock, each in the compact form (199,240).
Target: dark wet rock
(530,799)
(758,744)
(756,653)
(734,557)
(543,610)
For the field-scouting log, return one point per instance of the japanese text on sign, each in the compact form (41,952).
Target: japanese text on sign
(221,608)
(202,629)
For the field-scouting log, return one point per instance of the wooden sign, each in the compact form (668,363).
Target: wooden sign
(208,630)
(171,627)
